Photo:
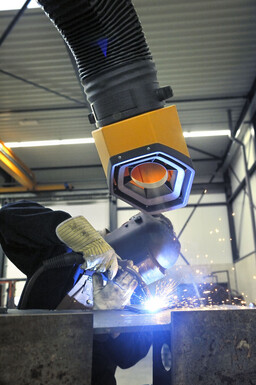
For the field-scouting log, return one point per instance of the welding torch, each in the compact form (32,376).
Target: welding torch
(125,266)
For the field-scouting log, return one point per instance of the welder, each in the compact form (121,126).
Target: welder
(31,235)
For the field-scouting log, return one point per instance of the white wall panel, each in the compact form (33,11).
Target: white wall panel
(206,238)
(237,163)
(207,198)
(139,374)
(97,213)
(246,278)
(13,272)
(246,268)
(253,188)
(193,198)
(243,224)
(249,146)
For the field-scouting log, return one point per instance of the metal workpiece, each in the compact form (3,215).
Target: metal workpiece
(118,321)
(208,346)
(40,347)
(213,347)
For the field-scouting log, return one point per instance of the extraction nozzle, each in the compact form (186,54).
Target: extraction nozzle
(146,160)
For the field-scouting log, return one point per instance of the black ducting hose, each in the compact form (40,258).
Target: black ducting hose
(113,58)
(63,260)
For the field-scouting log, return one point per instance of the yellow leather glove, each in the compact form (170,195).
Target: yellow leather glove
(78,234)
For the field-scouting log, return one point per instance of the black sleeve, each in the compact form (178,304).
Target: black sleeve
(129,348)
(27,234)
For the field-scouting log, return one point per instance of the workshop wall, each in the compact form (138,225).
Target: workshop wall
(205,239)
(237,167)
(246,278)
(97,212)
(243,224)
(246,265)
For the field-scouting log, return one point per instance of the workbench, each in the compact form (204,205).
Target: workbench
(208,346)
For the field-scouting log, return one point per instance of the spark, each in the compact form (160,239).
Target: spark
(169,294)
(163,297)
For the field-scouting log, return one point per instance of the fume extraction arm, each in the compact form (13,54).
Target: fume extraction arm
(139,141)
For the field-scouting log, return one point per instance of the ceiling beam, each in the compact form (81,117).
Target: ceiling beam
(13,22)
(208,99)
(43,109)
(212,156)
(47,89)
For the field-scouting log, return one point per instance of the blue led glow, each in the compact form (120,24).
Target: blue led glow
(103,44)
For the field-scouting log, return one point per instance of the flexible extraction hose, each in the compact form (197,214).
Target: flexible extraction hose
(113,58)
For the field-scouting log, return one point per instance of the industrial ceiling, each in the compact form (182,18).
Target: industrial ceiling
(204,49)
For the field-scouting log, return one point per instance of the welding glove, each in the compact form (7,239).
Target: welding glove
(78,234)
(115,294)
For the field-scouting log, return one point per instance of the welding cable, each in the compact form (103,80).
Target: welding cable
(63,260)
(114,62)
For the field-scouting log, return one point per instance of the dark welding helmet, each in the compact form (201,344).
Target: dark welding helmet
(150,242)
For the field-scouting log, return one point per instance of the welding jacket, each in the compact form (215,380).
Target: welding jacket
(27,236)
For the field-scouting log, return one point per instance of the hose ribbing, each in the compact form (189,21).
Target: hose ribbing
(101,34)
(113,58)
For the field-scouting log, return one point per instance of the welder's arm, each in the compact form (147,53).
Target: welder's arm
(27,234)
(78,234)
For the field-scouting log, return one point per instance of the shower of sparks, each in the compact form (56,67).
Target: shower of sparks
(206,295)
(164,296)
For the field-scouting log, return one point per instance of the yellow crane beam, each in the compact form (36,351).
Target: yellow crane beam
(37,188)
(11,164)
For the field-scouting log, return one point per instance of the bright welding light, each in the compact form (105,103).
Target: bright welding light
(155,303)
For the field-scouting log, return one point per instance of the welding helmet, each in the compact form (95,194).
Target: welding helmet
(149,241)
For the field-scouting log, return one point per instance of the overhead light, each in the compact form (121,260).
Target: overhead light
(62,142)
(16,4)
(28,123)
(45,143)
(203,134)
